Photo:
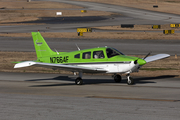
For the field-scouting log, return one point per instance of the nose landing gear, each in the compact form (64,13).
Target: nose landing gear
(130,80)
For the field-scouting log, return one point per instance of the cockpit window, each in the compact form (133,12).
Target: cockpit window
(111,52)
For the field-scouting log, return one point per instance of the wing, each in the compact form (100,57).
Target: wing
(156,57)
(60,66)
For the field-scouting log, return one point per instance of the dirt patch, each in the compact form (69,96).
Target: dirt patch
(23,4)
(19,17)
(170,65)
(102,35)
(168,6)
(7,58)
(15,12)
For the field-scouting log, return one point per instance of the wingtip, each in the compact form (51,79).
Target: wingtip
(24,64)
(166,55)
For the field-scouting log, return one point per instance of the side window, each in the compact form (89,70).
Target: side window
(98,54)
(77,56)
(87,55)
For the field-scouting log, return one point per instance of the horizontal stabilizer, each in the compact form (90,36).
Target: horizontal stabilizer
(156,57)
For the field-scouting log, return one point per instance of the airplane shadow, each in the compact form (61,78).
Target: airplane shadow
(71,79)
(140,80)
(143,80)
(60,78)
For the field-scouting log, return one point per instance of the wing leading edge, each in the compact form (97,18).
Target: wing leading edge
(59,66)
(156,57)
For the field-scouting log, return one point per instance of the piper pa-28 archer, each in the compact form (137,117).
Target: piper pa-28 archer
(94,60)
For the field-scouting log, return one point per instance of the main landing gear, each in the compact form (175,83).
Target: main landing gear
(79,80)
(118,78)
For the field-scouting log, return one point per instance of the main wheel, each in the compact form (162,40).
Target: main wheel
(79,81)
(130,81)
(117,78)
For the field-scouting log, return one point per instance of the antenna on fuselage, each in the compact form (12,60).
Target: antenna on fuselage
(77,47)
(56,51)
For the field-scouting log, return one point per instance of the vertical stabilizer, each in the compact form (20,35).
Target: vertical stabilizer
(41,47)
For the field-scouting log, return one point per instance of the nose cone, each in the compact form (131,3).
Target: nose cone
(141,62)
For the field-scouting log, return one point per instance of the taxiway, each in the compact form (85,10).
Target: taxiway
(55,96)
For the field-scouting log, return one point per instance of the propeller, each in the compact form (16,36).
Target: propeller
(146,55)
(135,62)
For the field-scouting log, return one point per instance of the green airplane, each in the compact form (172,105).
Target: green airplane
(94,60)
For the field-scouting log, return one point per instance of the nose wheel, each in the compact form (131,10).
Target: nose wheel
(130,80)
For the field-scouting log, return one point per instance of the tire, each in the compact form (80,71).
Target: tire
(117,78)
(79,81)
(130,81)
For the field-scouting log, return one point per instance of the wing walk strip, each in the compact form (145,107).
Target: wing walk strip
(99,63)
(124,98)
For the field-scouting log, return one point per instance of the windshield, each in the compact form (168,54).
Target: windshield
(118,51)
(111,52)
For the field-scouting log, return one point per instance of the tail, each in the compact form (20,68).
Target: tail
(41,47)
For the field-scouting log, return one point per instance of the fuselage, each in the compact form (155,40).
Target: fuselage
(109,59)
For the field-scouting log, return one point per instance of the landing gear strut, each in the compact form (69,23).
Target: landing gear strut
(79,80)
(130,80)
(117,78)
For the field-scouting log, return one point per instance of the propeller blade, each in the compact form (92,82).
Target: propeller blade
(147,55)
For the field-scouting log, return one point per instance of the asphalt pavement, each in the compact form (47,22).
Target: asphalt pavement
(55,96)
(128,47)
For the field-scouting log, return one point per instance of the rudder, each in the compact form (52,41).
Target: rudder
(41,47)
